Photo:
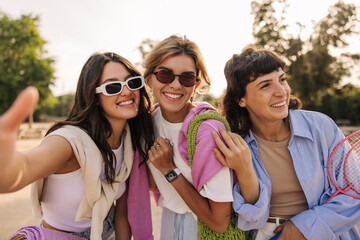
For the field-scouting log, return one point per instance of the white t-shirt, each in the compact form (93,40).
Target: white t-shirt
(64,192)
(218,188)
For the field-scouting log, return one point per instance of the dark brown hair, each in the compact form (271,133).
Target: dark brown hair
(239,71)
(87,113)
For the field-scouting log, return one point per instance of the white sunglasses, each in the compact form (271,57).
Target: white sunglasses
(115,87)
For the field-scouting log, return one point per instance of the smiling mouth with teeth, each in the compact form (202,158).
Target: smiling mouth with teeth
(173,96)
(125,103)
(279,104)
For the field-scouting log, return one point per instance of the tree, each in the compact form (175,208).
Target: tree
(343,103)
(208,97)
(268,31)
(312,68)
(22,60)
(145,46)
(54,107)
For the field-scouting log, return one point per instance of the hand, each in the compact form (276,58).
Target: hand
(11,120)
(235,154)
(289,231)
(161,155)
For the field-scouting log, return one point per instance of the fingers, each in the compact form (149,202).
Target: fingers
(161,154)
(220,157)
(236,139)
(233,141)
(228,138)
(240,139)
(278,229)
(288,230)
(23,105)
(162,144)
(240,143)
(220,144)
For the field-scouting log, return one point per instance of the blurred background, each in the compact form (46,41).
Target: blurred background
(45,44)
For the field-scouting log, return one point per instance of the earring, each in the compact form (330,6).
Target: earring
(192,96)
(240,103)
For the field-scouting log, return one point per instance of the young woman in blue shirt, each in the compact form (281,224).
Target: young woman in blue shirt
(289,148)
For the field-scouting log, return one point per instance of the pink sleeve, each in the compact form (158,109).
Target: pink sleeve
(205,164)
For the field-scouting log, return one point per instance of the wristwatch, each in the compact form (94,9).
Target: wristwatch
(172,174)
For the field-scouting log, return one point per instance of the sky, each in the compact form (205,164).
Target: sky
(74,29)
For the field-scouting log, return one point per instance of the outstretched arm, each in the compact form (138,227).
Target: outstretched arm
(19,169)
(237,155)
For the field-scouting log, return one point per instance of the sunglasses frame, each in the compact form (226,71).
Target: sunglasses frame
(102,87)
(176,75)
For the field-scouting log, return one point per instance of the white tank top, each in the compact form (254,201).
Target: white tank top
(63,194)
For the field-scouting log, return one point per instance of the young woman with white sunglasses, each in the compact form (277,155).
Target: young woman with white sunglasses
(81,167)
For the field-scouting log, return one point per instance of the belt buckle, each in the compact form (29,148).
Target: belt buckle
(278,219)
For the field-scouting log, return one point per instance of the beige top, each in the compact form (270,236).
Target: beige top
(287,197)
(99,195)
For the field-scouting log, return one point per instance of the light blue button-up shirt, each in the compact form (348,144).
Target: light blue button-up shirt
(313,137)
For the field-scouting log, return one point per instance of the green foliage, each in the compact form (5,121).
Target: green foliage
(53,106)
(312,69)
(332,30)
(21,59)
(210,99)
(146,46)
(268,31)
(312,73)
(342,103)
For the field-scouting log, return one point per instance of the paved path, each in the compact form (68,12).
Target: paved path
(15,209)
(15,212)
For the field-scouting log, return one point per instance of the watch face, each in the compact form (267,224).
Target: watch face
(171,175)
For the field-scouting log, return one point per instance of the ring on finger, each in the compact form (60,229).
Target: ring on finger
(157,145)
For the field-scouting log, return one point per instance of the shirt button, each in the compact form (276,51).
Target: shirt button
(298,144)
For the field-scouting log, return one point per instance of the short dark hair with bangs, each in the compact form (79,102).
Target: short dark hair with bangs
(239,71)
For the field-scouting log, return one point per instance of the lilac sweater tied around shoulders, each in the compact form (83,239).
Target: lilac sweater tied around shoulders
(40,233)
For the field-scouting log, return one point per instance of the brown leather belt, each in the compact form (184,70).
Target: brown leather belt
(273,220)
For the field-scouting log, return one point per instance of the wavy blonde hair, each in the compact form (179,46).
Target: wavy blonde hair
(177,45)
